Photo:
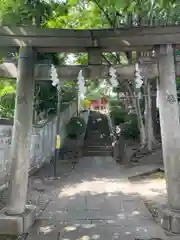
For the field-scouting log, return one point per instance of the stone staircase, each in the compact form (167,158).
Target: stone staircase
(97,141)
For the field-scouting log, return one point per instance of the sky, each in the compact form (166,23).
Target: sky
(71,59)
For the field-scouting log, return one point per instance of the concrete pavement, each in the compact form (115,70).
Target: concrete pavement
(94,201)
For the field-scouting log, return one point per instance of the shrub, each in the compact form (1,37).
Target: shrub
(114,103)
(7,105)
(129,128)
(118,115)
(75,127)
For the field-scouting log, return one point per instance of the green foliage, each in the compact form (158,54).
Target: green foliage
(178,88)
(7,98)
(178,52)
(114,103)
(32,12)
(69,95)
(118,115)
(127,121)
(139,12)
(81,15)
(46,97)
(96,95)
(75,127)
(129,129)
(29,12)
(7,105)
(82,58)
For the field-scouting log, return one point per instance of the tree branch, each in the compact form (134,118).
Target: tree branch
(104,12)
(105,58)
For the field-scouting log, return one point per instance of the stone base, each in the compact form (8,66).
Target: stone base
(169,219)
(18,224)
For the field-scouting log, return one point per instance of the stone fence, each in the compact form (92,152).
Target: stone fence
(42,141)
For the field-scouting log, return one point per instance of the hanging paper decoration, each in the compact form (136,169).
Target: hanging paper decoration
(81,85)
(54,76)
(113,79)
(138,78)
(81,88)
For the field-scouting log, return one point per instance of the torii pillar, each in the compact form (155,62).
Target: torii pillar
(18,217)
(95,58)
(169,215)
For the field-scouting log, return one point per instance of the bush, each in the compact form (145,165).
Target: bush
(129,128)
(75,127)
(114,103)
(118,115)
(7,105)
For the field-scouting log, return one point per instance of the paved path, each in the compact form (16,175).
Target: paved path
(95,201)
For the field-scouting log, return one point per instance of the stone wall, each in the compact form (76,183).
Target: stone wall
(42,141)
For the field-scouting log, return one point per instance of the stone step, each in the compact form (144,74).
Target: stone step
(93,147)
(101,137)
(89,139)
(97,143)
(98,134)
(99,146)
(97,150)
(97,137)
(94,133)
(97,153)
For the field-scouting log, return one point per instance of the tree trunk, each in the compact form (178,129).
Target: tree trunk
(118,96)
(126,102)
(148,115)
(146,108)
(140,120)
(150,123)
(136,105)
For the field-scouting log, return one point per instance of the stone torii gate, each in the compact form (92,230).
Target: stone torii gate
(29,41)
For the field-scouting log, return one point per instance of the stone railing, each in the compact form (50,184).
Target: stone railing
(42,141)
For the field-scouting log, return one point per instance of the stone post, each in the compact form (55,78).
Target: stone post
(95,58)
(154,107)
(170,134)
(22,130)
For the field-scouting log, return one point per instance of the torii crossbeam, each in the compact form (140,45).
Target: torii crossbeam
(70,72)
(69,40)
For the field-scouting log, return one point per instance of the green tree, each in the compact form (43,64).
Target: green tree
(7,98)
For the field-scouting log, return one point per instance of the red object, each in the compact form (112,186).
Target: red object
(99,103)
(96,103)
(104,100)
